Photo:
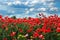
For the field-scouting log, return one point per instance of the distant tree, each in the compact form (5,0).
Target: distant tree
(14,17)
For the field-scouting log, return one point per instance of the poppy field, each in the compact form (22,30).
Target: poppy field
(42,28)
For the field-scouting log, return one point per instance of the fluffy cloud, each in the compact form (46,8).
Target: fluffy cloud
(25,3)
(53,9)
(41,9)
(34,1)
(9,3)
(31,9)
(43,1)
(17,2)
(14,2)
(51,4)
(50,0)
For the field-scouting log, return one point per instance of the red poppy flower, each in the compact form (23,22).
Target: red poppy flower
(58,29)
(29,30)
(5,39)
(20,30)
(0,16)
(4,25)
(12,34)
(48,30)
(38,30)
(35,34)
(58,24)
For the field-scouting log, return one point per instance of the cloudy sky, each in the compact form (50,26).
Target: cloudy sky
(29,8)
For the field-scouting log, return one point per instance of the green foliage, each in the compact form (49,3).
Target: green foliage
(50,36)
(14,17)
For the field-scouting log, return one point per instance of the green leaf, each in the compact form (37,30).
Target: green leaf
(1,30)
(40,26)
(37,39)
(58,36)
(50,36)
(22,38)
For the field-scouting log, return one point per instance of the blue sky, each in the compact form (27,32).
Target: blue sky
(29,8)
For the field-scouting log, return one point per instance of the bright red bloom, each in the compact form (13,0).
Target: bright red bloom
(0,16)
(38,30)
(58,24)
(44,28)
(12,34)
(48,30)
(35,34)
(58,29)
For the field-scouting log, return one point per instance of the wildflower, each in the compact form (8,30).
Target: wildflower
(20,30)
(35,34)
(41,36)
(58,29)
(5,39)
(12,34)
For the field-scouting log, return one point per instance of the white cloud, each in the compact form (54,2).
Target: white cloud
(34,1)
(43,1)
(14,2)
(50,0)
(26,3)
(41,9)
(53,9)
(28,11)
(9,3)
(51,4)
(17,2)
(31,9)
(37,1)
